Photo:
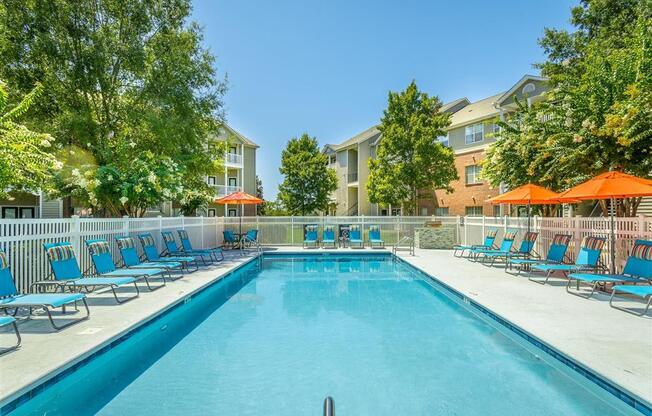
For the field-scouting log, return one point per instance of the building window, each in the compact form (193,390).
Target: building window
(233,181)
(474,133)
(211,212)
(443,140)
(496,210)
(473,211)
(396,212)
(441,211)
(495,128)
(233,212)
(332,159)
(383,212)
(233,150)
(212,180)
(472,174)
(424,211)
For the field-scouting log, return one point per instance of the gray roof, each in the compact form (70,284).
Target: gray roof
(476,111)
(370,133)
(229,131)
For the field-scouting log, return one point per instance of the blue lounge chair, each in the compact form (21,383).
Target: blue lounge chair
(172,249)
(10,320)
(229,238)
(505,246)
(152,255)
(187,246)
(328,237)
(524,251)
(67,274)
(556,254)
(643,292)
(130,258)
(355,236)
(311,236)
(104,266)
(374,237)
(489,244)
(11,299)
(587,259)
(638,269)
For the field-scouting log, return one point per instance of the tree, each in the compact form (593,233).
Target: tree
(25,164)
(308,179)
(274,209)
(260,209)
(120,78)
(597,115)
(410,159)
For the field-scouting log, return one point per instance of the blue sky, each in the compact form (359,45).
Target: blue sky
(325,67)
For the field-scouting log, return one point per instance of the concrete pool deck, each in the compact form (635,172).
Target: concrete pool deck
(613,344)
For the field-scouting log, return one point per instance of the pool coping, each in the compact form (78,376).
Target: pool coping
(12,401)
(619,392)
(29,391)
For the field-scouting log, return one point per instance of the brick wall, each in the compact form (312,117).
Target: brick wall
(467,195)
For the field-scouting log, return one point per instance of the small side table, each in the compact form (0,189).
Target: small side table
(343,242)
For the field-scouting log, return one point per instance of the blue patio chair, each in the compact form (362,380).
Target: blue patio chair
(556,254)
(587,259)
(130,258)
(10,320)
(328,237)
(172,249)
(250,237)
(643,292)
(229,238)
(524,251)
(152,255)
(11,299)
(489,244)
(67,274)
(104,266)
(187,247)
(505,246)
(638,269)
(311,236)
(355,236)
(374,237)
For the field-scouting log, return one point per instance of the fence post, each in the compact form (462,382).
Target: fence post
(466,230)
(292,230)
(641,226)
(576,234)
(483,226)
(76,235)
(203,243)
(160,228)
(125,225)
(505,221)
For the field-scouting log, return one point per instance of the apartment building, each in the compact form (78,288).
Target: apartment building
(473,128)
(239,175)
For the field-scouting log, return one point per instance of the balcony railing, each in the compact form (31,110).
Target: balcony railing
(224,190)
(352,177)
(233,159)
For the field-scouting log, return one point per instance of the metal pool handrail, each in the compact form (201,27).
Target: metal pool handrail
(329,406)
(396,247)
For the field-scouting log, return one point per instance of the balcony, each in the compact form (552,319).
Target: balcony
(224,190)
(233,160)
(352,177)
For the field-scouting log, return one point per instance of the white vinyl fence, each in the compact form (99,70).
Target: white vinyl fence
(23,239)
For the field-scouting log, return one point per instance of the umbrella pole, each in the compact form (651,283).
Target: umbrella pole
(612,267)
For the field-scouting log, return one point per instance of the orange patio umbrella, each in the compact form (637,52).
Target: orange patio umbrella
(239,198)
(527,194)
(609,185)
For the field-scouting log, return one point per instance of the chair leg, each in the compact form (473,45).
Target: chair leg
(117,299)
(647,305)
(149,287)
(577,292)
(18,341)
(60,327)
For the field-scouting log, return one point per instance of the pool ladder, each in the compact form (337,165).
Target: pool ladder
(397,247)
(252,243)
(329,406)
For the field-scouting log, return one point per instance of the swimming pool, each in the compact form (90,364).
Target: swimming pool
(280,334)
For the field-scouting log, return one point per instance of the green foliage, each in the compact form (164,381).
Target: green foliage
(410,158)
(260,209)
(120,78)
(308,179)
(25,164)
(597,116)
(274,209)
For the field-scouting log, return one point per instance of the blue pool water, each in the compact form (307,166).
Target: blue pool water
(278,336)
